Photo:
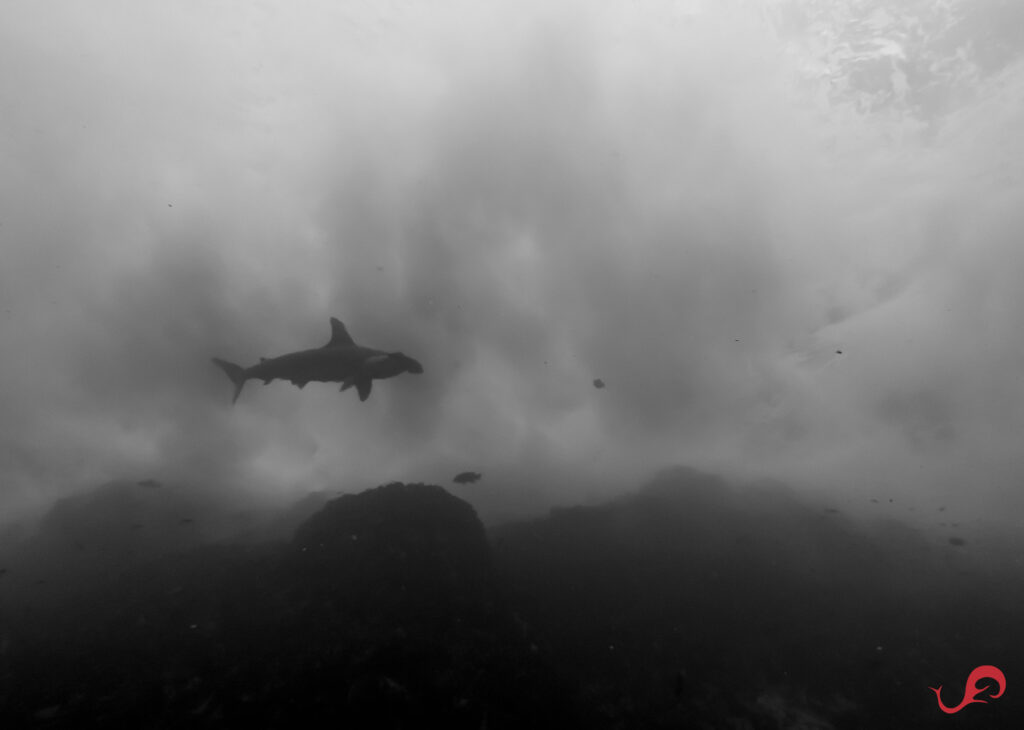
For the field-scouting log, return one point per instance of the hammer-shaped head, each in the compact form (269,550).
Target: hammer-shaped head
(389,365)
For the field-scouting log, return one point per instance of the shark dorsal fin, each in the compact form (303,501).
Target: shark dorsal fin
(339,335)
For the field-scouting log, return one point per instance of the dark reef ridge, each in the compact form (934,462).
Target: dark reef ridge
(690,603)
(382,611)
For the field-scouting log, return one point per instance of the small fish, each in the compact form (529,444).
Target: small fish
(958,541)
(467,477)
(598,383)
(149,483)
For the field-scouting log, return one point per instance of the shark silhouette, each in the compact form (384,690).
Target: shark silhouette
(341,360)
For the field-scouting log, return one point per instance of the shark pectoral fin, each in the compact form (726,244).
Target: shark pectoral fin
(299,383)
(364,386)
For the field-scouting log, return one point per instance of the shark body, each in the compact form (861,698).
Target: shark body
(341,360)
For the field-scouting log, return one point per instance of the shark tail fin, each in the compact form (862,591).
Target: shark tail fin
(235,372)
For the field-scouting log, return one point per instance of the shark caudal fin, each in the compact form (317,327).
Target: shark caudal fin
(235,372)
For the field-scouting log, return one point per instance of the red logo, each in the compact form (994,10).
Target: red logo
(972,690)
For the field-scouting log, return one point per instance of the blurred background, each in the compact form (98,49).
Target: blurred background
(783,234)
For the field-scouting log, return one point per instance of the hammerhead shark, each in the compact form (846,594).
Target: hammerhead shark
(341,360)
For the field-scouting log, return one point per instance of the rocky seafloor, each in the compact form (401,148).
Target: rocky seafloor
(690,604)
